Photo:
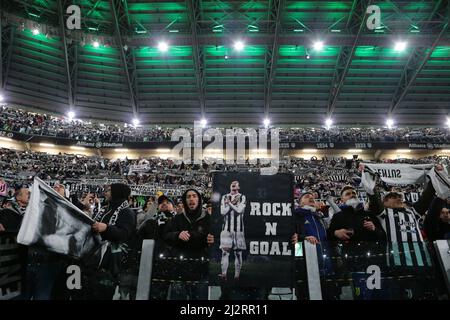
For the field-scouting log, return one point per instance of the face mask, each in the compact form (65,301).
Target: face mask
(306,207)
(353,202)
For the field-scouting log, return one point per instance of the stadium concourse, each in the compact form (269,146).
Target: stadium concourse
(224,150)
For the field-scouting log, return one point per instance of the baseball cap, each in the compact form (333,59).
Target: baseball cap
(163,197)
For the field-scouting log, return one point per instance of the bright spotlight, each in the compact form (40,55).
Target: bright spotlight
(135,121)
(71,115)
(35,31)
(1,98)
(389,123)
(400,46)
(328,122)
(203,122)
(238,45)
(163,46)
(318,45)
(266,122)
(96,44)
(448,118)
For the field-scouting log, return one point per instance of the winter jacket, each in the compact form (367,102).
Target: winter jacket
(197,223)
(435,228)
(351,218)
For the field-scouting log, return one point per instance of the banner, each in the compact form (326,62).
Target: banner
(399,174)
(139,168)
(101,182)
(3,188)
(52,222)
(252,226)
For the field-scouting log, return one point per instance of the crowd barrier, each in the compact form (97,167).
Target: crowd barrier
(327,271)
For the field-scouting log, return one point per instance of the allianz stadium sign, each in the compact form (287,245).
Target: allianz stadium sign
(430,146)
(99,144)
(282,144)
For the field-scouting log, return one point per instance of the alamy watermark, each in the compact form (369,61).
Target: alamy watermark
(190,149)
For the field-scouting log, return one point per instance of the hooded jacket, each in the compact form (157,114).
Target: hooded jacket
(434,227)
(125,225)
(307,224)
(196,222)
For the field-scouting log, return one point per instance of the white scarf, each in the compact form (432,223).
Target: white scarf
(404,174)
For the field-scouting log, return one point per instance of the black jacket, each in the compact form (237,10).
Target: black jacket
(11,219)
(125,224)
(434,227)
(196,222)
(198,230)
(354,219)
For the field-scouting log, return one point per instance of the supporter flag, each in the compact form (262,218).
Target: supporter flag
(3,188)
(54,223)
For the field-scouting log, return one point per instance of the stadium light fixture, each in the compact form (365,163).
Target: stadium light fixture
(309,150)
(318,45)
(238,45)
(2,98)
(136,121)
(354,150)
(400,46)
(71,115)
(403,150)
(163,46)
(203,122)
(448,118)
(328,123)
(77,148)
(35,31)
(266,122)
(96,44)
(389,123)
(50,145)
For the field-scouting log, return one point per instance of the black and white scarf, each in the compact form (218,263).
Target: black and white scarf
(112,221)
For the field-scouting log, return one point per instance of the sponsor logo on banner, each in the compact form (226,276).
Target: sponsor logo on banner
(99,144)
(430,146)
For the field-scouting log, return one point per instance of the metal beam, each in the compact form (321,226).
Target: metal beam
(413,67)
(356,20)
(197,52)
(126,56)
(419,57)
(294,38)
(275,9)
(67,64)
(7,36)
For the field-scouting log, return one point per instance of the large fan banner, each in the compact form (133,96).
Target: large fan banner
(252,227)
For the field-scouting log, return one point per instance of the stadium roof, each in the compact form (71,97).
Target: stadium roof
(356,78)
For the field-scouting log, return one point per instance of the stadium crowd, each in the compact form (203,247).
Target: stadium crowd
(16,120)
(328,197)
